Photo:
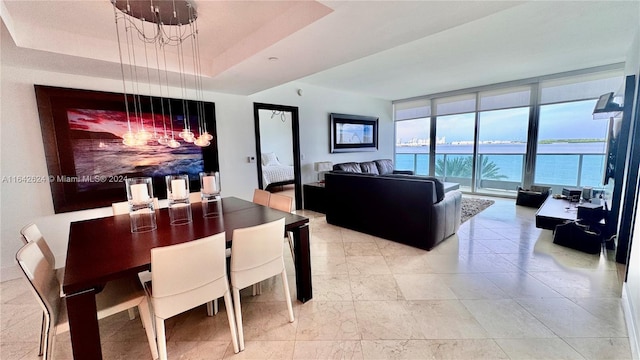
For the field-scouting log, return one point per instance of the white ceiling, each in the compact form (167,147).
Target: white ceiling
(385,49)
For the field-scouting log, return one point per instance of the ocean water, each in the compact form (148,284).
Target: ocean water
(555,163)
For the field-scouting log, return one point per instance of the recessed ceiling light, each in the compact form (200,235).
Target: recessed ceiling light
(273,58)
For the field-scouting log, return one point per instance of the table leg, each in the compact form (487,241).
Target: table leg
(83,324)
(302,262)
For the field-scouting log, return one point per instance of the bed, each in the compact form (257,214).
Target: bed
(274,173)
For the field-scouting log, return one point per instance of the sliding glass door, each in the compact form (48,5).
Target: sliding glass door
(502,145)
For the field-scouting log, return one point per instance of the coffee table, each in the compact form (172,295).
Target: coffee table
(554,212)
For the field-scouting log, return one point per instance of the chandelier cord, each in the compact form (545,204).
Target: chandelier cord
(169,29)
(124,84)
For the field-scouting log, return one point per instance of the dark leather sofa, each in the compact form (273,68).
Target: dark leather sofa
(406,209)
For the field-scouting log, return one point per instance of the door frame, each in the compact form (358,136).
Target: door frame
(295,134)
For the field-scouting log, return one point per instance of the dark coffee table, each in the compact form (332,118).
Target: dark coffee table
(554,212)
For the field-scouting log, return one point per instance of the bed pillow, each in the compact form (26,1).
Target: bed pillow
(270,159)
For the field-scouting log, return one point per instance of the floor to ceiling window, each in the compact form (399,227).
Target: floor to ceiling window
(484,139)
(571,145)
(502,144)
(413,136)
(455,139)
(413,139)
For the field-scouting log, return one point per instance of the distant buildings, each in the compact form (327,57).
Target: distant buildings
(442,141)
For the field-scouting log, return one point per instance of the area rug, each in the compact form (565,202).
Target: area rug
(472,206)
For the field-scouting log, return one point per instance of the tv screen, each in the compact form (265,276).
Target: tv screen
(603,102)
(350,133)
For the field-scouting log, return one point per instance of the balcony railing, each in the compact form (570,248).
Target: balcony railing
(504,172)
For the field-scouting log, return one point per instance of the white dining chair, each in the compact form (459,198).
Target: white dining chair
(31,233)
(117,296)
(198,278)
(283,203)
(261,197)
(256,255)
(195,197)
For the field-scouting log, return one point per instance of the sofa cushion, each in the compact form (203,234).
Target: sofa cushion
(369,167)
(385,166)
(348,167)
(438,184)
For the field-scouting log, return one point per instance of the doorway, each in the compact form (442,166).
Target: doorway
(278,149)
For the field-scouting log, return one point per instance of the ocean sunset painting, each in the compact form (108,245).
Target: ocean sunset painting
(99,152)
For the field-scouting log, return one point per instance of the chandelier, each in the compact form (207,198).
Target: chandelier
(146,29)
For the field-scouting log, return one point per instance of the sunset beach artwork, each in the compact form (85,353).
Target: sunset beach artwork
(98,149)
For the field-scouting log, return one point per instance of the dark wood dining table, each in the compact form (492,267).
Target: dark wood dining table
(105,249)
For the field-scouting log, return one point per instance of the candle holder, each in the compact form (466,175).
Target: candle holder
(178,196)
(210,193)
(142,213)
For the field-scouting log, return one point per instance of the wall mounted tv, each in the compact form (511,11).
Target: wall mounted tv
(605,104)
(350,133)
(86,158)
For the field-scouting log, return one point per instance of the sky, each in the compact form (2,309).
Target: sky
(573,120)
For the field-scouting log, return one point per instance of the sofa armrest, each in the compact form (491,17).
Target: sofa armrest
(446,215)
(403,172)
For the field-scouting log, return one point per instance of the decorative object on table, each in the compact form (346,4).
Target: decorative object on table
(572,193)
(472,207)
(533,197)
(178,196)
(591,212)
(141,205)
(210,193)
(322,167)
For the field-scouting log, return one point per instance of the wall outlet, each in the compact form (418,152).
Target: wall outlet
(251,159)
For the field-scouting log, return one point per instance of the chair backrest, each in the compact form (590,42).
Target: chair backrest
(31,233)
(120,208)
(42,278)
(189,274)
(261,197)
(195,197)
(280,202)
(257,253)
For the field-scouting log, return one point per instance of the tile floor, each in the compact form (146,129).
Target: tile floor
(499,289)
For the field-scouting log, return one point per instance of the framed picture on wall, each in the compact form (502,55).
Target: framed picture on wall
(350,133)
(92,143)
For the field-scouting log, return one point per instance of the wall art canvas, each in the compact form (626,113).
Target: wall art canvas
(88,160)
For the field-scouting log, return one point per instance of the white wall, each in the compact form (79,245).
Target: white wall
(315,104)
(22,152)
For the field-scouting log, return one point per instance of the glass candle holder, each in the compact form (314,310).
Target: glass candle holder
(210,193)
(178,196)
(142,213)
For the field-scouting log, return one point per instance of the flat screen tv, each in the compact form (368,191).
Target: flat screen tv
(350,133)
(87,160)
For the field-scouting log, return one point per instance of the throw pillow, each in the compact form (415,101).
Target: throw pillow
(270,159)
(369,167)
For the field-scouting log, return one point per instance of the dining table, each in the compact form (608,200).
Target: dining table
(104,249)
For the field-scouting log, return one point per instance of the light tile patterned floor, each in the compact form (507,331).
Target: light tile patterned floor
(499,289)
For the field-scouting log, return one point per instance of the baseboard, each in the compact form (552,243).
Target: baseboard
(632,327)
(9,273)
